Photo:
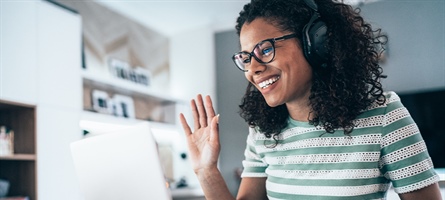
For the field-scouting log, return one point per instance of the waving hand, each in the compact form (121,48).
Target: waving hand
(203,141)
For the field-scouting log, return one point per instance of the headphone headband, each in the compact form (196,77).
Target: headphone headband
(311,4)
(315,38)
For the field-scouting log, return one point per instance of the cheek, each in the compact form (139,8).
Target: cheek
(248,77)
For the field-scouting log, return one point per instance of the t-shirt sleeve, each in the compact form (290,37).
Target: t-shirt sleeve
(405,159)
(253,164)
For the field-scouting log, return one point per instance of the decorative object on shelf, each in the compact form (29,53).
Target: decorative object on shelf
(101,102)
(117,105)
(4,187)
(123,106)
(123,70)
(6,141)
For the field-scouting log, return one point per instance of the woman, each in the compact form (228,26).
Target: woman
(321,125)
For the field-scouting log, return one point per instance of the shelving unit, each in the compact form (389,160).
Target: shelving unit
(149,105)
(159,109)
(20,168)
(123,87)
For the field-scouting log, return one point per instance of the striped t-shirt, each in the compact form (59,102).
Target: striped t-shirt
(385,147)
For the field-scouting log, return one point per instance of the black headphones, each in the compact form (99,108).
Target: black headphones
(314,38)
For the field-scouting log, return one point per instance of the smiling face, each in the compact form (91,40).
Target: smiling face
(285,80)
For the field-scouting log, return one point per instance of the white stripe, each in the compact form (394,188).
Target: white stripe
(411,170)
(372,121)
(326,190)
(400,134)
(324,158)
(395,115)
(248,164)
(403,153)
(252,174)
(417,185)
(295,131)
(367,139)
(326,174)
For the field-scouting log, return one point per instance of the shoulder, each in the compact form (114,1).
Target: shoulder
(391,97)
(254,136)
(384,113)
(392,101)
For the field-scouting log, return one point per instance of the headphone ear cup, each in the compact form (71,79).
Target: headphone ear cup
(315,43)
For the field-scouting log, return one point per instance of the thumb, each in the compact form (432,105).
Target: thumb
(214,127)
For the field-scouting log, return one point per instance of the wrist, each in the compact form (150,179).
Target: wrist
(205,172)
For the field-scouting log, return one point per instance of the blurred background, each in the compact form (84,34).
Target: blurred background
(73,69)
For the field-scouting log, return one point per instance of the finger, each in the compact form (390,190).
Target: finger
(201,111)
(185,125)
(195,115)
(209,109)
(188,132)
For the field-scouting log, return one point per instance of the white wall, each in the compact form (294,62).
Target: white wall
(192,63)
(416,46)
(192,72)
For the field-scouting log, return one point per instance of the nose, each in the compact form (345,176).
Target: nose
(256,67)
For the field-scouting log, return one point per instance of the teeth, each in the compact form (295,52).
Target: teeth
(268,82)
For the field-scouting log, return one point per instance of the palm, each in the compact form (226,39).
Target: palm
(203,142)
(204,152)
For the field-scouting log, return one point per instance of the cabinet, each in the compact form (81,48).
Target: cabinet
(20,168)
(40,87)
(18,80)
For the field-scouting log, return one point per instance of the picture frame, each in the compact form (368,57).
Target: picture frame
(123,106)
(101,102)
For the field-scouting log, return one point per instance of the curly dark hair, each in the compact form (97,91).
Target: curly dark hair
(340,92)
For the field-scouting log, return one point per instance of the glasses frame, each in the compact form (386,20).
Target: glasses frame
(252,54)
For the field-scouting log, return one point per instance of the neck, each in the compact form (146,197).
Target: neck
(300,110)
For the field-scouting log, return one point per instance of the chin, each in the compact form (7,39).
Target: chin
(273,103)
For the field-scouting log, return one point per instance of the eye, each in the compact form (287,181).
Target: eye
(246,60)
(267,51)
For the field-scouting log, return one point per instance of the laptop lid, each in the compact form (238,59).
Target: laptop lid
(120,165)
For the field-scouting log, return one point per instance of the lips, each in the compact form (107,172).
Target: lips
(266,83)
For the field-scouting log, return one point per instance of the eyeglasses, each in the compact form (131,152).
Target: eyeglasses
(264,52)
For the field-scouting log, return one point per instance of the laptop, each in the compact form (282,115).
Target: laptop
(120,165)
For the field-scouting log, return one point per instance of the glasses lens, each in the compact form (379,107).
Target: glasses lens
(241,59)
(264,51)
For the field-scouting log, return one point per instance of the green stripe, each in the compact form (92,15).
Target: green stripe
(407,161)
(326,150)
(402,143)
(414,179)
(326,166)
(255,169)
(398,124)
(372,113)
(328,182)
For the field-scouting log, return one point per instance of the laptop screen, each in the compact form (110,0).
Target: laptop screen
(120,165)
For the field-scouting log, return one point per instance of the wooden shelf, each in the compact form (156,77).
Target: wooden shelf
(100,123)
(124,87)
(29,157)
(20,168)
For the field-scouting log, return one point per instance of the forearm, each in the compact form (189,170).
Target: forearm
(213,185)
